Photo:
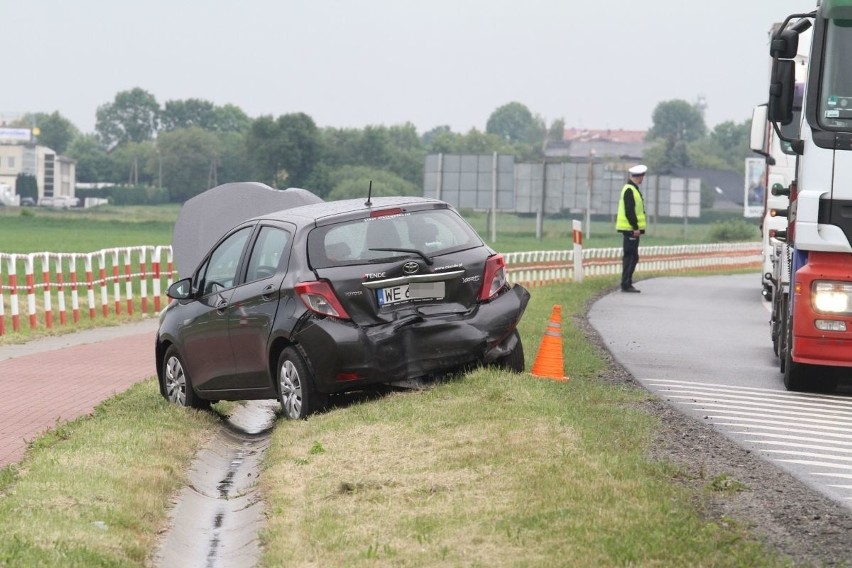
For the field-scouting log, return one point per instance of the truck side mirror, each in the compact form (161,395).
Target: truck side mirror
(785,45)
(781,90)
(757,138)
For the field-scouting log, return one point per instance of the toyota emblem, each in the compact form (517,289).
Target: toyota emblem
(410,267)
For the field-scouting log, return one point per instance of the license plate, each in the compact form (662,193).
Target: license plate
(408,292)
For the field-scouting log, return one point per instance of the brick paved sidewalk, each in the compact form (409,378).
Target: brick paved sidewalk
(61,378)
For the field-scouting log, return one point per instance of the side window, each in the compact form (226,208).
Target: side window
(221,270)
(269,248)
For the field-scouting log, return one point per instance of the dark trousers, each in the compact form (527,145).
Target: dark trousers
(629,260)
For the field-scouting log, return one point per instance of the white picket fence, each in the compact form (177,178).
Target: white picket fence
(101,283)
(538,268)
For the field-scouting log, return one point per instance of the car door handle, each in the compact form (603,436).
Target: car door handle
(221,305)
(267,292)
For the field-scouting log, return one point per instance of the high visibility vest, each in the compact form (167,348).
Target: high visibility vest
(621,223)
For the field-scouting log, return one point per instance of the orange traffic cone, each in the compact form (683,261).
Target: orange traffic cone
(549,363)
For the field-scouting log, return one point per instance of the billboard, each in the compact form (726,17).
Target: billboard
(485,182)
(15,135)
(755,187)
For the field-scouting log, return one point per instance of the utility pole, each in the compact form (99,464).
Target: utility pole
(213,173)
(591,181)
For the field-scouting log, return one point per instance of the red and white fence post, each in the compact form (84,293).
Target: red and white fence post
(60,290)
(577,232)
(128,285)
(90,285)
(102,281)
(155,268)
(45,279)
(75,298)
(2,301)
(116,282)
(13,293)
(29,269)
(143,279)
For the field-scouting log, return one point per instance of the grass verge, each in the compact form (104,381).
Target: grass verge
(95,491)
(492,469)
(488,469)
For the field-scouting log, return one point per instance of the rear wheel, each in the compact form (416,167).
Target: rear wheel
(175,384)
(296,390)
(514,359)
(782,333)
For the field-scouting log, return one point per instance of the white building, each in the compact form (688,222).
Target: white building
(55,175)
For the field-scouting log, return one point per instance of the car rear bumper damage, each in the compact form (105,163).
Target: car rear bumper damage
(345,356)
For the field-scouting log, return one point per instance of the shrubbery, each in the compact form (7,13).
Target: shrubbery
(127,195)
(734,230)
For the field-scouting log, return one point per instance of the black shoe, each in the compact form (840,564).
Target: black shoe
(631,289)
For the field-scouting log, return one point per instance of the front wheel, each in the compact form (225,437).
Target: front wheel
(296,391)
(175,384)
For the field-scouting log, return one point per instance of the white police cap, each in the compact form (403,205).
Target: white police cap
(638,170)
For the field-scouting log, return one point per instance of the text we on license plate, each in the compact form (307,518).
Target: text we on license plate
(413,291)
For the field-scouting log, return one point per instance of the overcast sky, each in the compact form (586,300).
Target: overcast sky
(353,63)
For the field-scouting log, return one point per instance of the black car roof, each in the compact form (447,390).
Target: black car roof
(335,211)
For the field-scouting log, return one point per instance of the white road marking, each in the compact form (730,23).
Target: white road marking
(809,430)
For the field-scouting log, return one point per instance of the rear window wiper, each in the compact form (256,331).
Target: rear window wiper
(428,260)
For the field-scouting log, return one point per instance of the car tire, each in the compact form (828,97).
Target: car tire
(296,391)
(175,384)
(514,359)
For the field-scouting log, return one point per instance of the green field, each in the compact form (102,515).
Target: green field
(44,230)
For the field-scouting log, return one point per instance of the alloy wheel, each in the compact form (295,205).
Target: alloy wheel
(291,390)
(175,381)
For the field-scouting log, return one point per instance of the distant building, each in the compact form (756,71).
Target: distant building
(55,175)
(582,143)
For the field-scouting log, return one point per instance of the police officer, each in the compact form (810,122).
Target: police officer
(631,223)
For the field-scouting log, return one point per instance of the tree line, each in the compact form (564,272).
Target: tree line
(188,146)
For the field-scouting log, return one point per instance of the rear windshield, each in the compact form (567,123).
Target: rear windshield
(432,232)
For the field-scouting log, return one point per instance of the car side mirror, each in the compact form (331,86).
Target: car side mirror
(180,290)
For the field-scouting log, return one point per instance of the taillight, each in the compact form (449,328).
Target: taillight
(494,278)
(386,212)
(319,297)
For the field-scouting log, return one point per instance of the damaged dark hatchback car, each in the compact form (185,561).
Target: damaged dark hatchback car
(337,296)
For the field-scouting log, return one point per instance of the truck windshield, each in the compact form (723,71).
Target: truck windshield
(835,112)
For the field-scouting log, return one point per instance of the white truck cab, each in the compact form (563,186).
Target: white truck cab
(816,347)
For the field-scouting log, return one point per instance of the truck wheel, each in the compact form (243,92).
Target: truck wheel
(794,373)
(775,324)
(782,333)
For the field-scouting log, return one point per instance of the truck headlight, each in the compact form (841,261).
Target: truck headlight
(832,297)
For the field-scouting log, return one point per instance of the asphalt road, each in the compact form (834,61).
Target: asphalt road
(702,344)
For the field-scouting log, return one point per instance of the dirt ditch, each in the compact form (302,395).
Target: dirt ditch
(216,518)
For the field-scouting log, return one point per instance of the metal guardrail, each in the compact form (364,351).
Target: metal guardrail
(108,284)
